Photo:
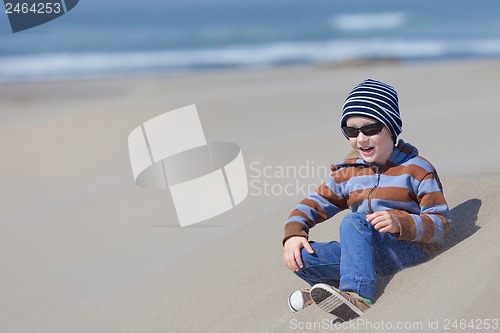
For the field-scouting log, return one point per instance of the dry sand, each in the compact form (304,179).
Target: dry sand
(83,249)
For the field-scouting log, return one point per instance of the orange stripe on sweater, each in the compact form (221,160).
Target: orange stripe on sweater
(432,199)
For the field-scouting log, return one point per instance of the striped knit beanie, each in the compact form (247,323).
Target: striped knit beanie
(376,100)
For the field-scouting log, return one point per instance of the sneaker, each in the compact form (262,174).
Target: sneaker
(300,299)
(345,305)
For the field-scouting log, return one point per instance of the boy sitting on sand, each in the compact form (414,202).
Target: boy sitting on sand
(398,217)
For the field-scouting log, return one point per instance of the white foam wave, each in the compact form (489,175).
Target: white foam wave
(372,21)
(65,65)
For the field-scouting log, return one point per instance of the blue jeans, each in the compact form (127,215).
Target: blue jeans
(362,253)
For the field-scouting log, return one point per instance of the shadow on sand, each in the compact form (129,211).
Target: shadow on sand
(463,219)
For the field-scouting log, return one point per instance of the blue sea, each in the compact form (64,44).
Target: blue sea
(122,38)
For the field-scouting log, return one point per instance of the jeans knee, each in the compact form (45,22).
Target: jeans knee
(355,222)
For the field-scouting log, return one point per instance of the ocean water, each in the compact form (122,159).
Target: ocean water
(113,38)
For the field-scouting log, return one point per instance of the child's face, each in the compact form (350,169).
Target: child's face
(373,149)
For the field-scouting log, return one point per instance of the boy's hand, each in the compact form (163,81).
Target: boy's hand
(384,221)
(291,252)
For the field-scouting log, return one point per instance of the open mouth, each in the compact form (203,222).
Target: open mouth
(366,150)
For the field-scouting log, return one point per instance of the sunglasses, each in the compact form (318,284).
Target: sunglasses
(368,130)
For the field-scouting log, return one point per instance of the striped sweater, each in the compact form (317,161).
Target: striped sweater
(407,186)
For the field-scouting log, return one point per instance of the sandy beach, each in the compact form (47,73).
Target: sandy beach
(83,249)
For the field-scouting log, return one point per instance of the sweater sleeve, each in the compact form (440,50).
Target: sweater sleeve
(433,222)
(319,206)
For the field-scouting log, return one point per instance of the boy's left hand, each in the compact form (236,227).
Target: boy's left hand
(383,221)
